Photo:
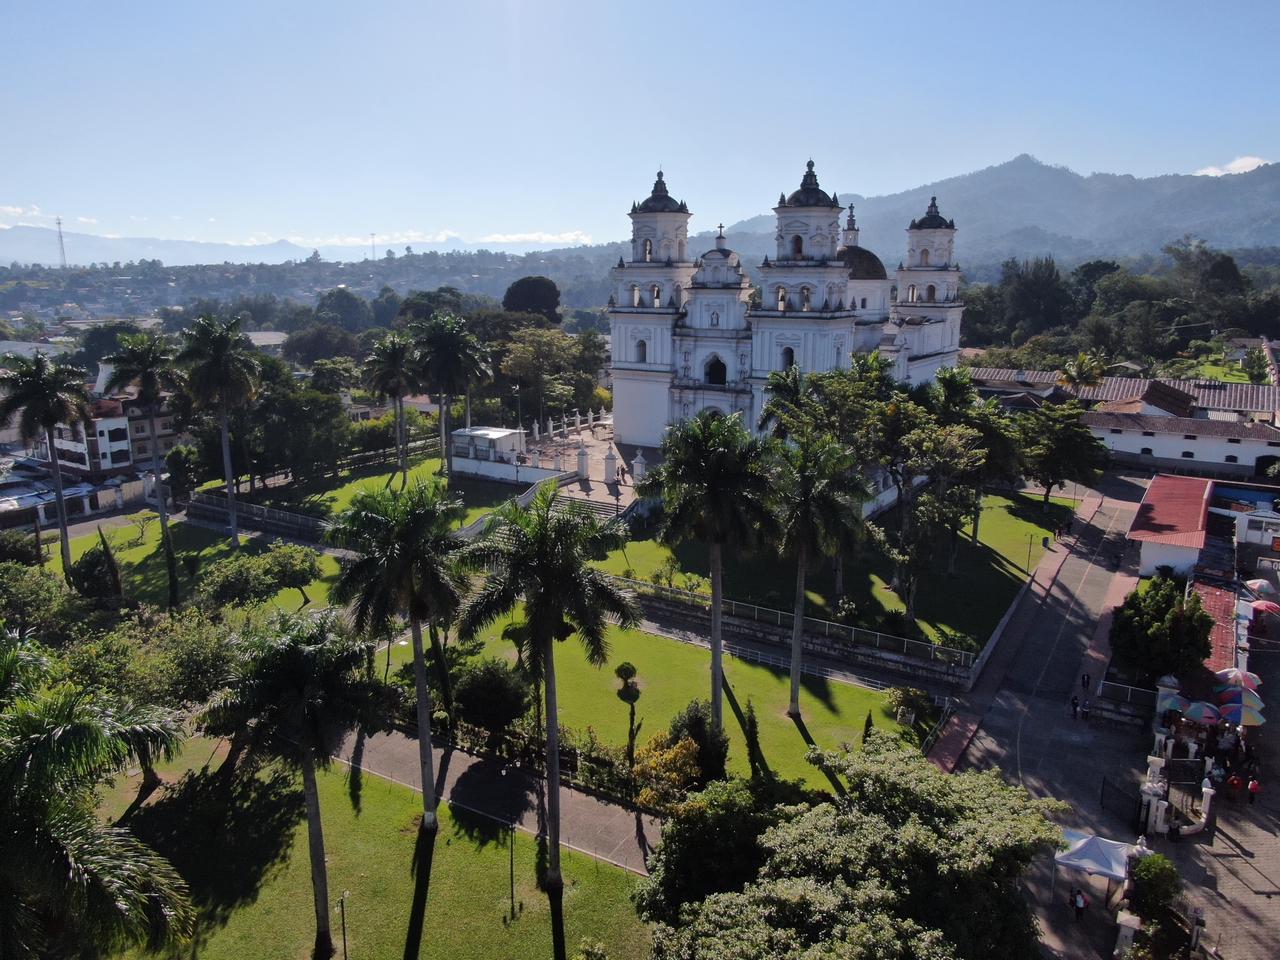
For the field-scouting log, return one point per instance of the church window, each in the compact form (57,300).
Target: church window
(714,372)
(924,258)
(788,358)
(715,318)
(893,294)
(797,247)
(806,298)
(647,256)
(635,295)
(930,293)
(864,303)
(911,293)
(782,298)
(642,351)
(656,293)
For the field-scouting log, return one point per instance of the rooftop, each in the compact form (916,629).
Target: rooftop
(1112,419)
(1174,511)
(1208,394)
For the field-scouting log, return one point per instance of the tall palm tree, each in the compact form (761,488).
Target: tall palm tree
(222,373)
(42,394)
(542,555)
(451,359)
(147,359)
(716,486)
(406,558)
(297,685)
(819,497)
(68,881)
(390,370)
(1083,370)
(788,395)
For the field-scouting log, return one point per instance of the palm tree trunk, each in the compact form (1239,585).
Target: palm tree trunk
(448,435)
(553,878)
(162,509)
(402,442)
(977,515)
(442,415)
(425,759)
(36,532)
(468,406)
(838,564)
(59,503)
(717,651)
(323,948)
(442,668)
(225,423)
(797,633)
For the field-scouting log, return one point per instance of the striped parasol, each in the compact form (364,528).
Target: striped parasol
(1234,676)
(1171,701)
(1245,716)
(1238,695)
(1201,712)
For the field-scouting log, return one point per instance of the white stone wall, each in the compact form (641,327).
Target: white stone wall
(1154,555)
(1210,452)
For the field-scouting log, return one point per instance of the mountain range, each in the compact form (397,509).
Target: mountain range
(1020,208)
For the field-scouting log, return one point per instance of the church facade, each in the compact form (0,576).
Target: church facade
(692,333)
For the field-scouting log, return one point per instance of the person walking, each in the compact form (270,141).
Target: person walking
(1254,788)
(1075,707)
(1084,710)
(1084,682)
(1079,901)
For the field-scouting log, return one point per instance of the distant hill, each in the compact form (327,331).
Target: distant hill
(1026,208)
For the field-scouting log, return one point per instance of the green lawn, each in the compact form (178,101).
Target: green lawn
(1231,373)
(327,497)
(249,871)
(143,569)
(671,674)
(959,609)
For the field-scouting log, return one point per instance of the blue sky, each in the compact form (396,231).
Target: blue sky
(500,119)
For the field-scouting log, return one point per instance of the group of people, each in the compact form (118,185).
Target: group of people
(1079,709)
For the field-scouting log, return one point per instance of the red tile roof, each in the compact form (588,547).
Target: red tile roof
(1207,394)
(1220,604)
(1174,511)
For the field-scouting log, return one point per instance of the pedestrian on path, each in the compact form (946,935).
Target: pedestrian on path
(1075,707)
(1079,901)
(1255,788)
(1084,710)
(1084,682)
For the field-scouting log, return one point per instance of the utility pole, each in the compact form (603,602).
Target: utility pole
(373,251)
(62,247)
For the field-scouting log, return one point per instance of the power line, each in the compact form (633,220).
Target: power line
(62,248)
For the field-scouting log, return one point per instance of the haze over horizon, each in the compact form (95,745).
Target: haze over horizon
(319,123)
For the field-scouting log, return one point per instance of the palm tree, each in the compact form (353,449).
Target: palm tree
(297,686)
(1083,370)
(819,496)
(787,398)
(68,881)
(222,372)
(451,359)
(406,554)
(44,394)
(716,485)
(390,370)
(147,359)
(542,555)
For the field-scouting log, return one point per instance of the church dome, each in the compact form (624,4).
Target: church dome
(932,220)
(660,201)
(810,194)
(862,263)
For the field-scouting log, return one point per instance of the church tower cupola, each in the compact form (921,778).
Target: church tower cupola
(931,240)
(660,227)
(849,238)
(808,221)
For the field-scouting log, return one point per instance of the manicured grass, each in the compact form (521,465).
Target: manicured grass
(955,609)
(671,674)
(327,497)
(142,563)
(1230,372)
(249,871)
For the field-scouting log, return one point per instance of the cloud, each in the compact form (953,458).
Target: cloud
(1238,165)
(137,219)
(569,238)
(18,211)
(87,219)
(10,211)
(382,239)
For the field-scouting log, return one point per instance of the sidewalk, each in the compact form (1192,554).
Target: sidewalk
(511,795)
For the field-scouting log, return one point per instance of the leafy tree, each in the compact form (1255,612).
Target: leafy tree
(386,305)
(819,494)
(1035,294)
(450,361)
(533,295)
(542,555)
(492,695)
(1085,370)
(183,463)
(69,881)
(405,558)
(1256,366)
(1155,886)
(1057,447)
(334,375)
(392,370)
(787,402)
(909,862)
(715,482)
(323,341)
(43,395)
(98,342)
(243,579)
(694,723)
(1203,271)
(222,371)
(32,601)
(297,687)
(96,574)
(148,361)
(342,308)
(1162,630)
(18,547)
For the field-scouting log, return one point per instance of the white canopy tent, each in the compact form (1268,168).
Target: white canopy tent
(1096,856)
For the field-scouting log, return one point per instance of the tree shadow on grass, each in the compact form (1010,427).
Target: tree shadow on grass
(808,738)
(755,756)
(424,852)
(226,840)
(487,797)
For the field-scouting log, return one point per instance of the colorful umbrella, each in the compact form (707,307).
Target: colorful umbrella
(1201,712)
(1172,701)
(1265,606)
(1238,695)
(1245,716)
(1234,676)
(1261,586)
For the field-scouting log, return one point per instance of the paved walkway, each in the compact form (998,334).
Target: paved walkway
(511,795)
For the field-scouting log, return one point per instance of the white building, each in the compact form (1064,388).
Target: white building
(691,334)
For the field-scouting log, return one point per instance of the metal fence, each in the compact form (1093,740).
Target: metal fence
(1120,693)
(296,525)
(1125,802)
(839,632)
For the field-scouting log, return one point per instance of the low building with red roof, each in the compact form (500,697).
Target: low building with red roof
(1171,523)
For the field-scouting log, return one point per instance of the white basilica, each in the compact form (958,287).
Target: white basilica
(690,334)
